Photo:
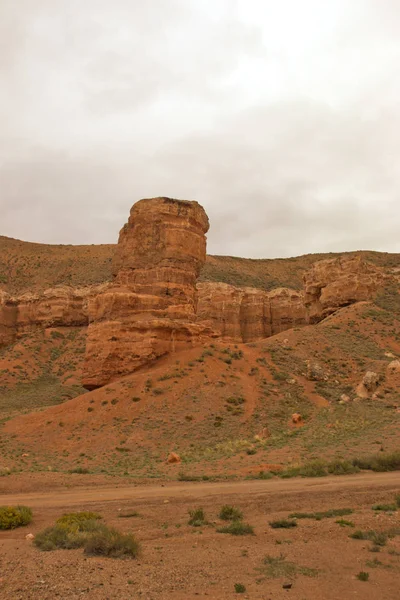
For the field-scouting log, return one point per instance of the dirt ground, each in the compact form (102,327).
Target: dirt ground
(318,558)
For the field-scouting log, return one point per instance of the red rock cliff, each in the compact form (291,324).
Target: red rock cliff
(150,309)
(249,314)
(334,283)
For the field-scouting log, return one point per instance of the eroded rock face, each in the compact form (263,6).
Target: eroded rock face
(8,315)
(62,306)
(150,309)
(334,283)
(249,314)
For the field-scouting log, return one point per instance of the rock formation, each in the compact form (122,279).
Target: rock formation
(249,314)
(334,283)
(150,308)
(62,306)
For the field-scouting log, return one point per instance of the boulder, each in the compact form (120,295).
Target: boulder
(173,458)
(315,372)
(368,385)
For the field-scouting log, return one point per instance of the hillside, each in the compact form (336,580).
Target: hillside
(25,266)
(228,409)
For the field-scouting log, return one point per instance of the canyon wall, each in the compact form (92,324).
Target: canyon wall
(248,314)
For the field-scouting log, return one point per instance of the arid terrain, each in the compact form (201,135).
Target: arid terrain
(317,559)
(149,378)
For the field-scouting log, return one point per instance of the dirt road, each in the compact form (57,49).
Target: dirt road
(328,485)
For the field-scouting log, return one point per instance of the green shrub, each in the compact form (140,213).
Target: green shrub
(112,543)
(240,588)
(78,519)
(333,512)
(14,516)
(197,517)
(282,524)
(230,513)
(363,576)
(385,507)
(344,523)
(237,528)
(379,462)
(379,538)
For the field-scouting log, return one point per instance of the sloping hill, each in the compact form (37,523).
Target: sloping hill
(25,266)
(228,410)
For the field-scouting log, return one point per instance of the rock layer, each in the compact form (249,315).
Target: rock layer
(57,307)
(249,314)
(149,310)
(334,283)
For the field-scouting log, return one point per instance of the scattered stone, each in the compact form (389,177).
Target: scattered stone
(30,536)
(297,418)
(368,385)
(393,367)
(315,372)
(173,458)
(344,399)
(287,586)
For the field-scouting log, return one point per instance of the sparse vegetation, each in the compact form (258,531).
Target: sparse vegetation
(334,512)
(237,528)
(277,566)
(230,513)
(363,576)
(12,517)
(283,524)
(197,517)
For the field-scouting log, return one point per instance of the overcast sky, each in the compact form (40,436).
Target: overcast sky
(281,118)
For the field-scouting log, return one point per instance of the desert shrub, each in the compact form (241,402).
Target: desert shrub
(344,523)
(230,513)
(111,542)
(240,588)
(78,519)
(342,467)
(363,576)
(333,512)
(282,524)
(385,507)
(237,528)
(379,462)
(260,475)
(378,538)
(14,516)
(79,471)
(197,517)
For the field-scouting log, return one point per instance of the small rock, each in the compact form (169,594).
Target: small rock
(344,398)
(287,586)
(315,372)
(296,418)
(166,502)
(29,536)
(25,455)
(173,458)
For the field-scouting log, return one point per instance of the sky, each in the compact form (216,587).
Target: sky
(281,118)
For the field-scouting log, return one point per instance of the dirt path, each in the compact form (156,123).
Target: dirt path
(203,490)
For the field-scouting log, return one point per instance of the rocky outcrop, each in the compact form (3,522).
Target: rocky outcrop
(249,314)
(150,308)
(334,283)
(62,306)
(7,319)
